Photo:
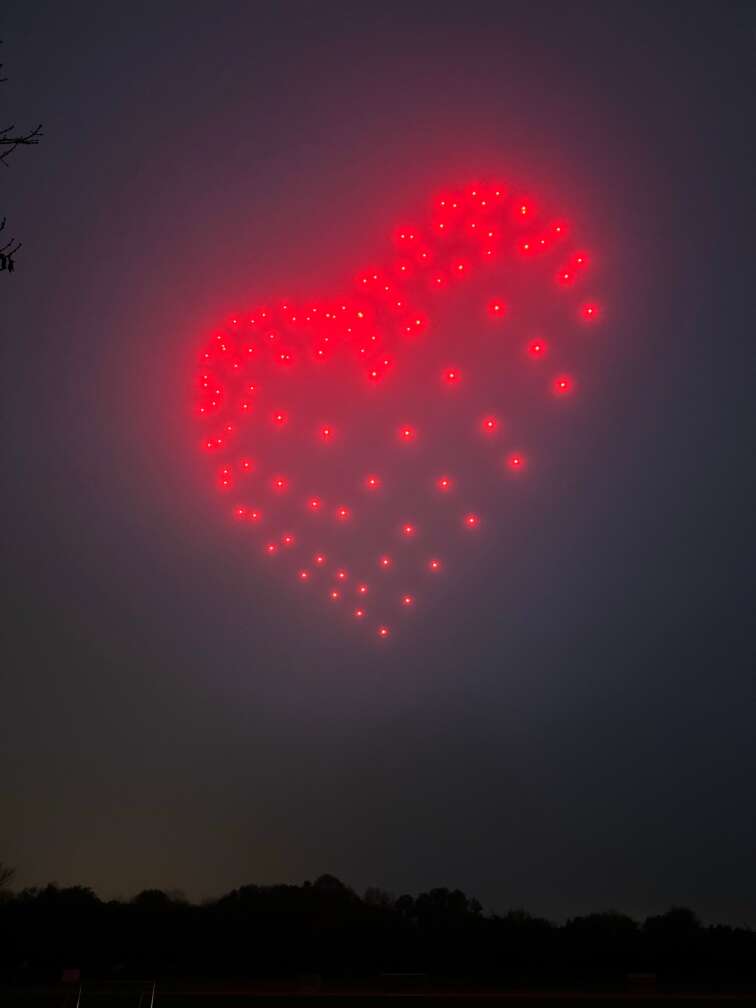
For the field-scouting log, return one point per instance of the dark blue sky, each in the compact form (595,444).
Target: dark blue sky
(572,729)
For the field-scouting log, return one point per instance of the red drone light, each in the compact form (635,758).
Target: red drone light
(359,613)
(497,309)
(362,589)
(409,530)
(515,461)
(489,425)
(384,562)
(537,348)
(383,631)
(342,513)
(414,326)
(434,565)
(319,559)
(341,574)
(406,433)
(444,483)
(372,482)
(471,521)
(562,385)
(451,375)
(304,575)
(408,600)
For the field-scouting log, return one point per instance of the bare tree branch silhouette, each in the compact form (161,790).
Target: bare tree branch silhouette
(9,142)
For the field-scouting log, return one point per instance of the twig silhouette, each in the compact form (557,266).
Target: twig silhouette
(7,252)
(11,142)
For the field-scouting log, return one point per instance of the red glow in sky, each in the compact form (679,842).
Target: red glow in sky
(303,405)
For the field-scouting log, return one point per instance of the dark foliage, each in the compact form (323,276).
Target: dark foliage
(325,928)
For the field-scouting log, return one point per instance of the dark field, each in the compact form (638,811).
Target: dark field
(231,997)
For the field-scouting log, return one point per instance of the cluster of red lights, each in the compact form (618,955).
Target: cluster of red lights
(373,329)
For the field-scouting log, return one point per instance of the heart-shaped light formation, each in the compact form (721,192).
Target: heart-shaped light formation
(326,423)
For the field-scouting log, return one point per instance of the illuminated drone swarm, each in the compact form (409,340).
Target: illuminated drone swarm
(343,433)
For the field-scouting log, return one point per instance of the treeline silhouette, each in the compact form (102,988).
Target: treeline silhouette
(325,928)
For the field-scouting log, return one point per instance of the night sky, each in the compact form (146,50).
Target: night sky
(569,726)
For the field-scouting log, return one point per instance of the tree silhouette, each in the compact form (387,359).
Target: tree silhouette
(323,929)
(10,140)
(6,874)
